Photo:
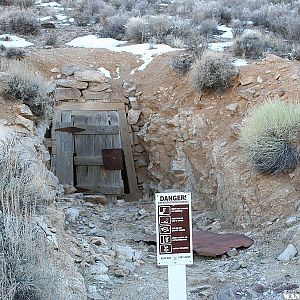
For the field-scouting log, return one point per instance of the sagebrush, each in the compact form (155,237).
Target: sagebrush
(27,86)
(270,136)
(27,271)
(213,72)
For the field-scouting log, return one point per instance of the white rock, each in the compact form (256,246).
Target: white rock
(72,214)
(291,221)
(133,102)
(133,116)
(289,252)
(233,107)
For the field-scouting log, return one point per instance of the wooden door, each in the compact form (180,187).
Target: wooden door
(81,137)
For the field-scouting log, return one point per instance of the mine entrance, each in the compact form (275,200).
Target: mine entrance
(93,150)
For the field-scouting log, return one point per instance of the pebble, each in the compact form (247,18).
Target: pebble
(232,252)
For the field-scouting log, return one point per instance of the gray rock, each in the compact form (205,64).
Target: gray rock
(68,70)
(89,75)
(98,268)
(72,214)
(98,87)
(227,293)
(90,95)
(71,83)
(289,252)
(232,252)
(67,94)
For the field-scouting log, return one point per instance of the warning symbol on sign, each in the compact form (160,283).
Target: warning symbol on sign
(165,239)
(165,248)
(166,229)
(164,220)
(164,210)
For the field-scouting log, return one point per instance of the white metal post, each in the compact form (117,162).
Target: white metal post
(177,282)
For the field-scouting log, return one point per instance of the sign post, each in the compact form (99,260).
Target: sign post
(174,239)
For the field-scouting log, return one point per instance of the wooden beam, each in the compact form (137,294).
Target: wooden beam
(106,190)
(129,162)
(88,161)
(94,106)
(92,129)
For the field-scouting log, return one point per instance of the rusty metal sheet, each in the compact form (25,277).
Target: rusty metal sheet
(70,129)
(113,159)
(211,244)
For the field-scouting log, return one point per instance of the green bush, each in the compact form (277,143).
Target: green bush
(270,136)
(213,72)
(29,87)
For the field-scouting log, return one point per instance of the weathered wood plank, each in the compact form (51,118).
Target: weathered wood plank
(129,162)
(106,190)
(92,129)
(93,106)
(64,157)
(88,161)
(115,143)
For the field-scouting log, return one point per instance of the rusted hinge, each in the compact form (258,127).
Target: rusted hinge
(71,129)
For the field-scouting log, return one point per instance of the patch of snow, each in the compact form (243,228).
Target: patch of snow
(61,17)
(146,51)
(91,41)
(13,41)
(219,46)
(240,62)
(118,73)
(44,19)
(48,4)
(227,32)
(105,72)
(71,20)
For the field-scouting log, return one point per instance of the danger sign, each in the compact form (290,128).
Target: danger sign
(174,232)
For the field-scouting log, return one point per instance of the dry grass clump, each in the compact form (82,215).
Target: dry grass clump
(26,269)
(28,87)
(270,136)
(213,72)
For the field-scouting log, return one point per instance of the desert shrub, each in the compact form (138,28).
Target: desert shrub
(181,27)
(270,136)
(114,27)
(182,63)
(238,28)
(51,40)
(28,87)
(250,45)
(173,41)
(22,22)
(26,269)
(293,27)
(207,27)
(159,27)
(137,29)
(254,44)
(24,3)
(213,72)
(196,43)
(82,18)
(14,53)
